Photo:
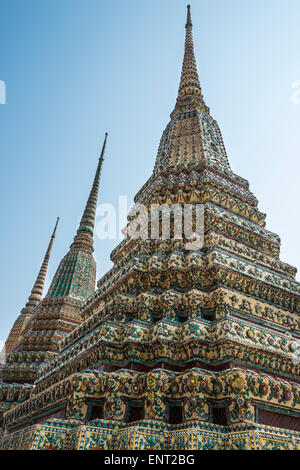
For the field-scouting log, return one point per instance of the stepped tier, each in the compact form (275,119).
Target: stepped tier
(246,393)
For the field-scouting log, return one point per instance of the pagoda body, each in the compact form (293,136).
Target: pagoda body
(178,347)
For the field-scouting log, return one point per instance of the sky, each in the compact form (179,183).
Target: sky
(74,69)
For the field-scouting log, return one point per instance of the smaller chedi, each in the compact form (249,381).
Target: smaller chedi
(174,348)
(34,299)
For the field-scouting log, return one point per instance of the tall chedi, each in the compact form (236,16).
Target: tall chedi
(33,300)
(8,392)
(59,312)
(180,347)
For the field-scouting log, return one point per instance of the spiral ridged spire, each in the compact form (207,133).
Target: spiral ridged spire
(189,88)
(37,290)
(85,232)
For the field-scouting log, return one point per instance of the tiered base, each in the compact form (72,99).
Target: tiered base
(150,435)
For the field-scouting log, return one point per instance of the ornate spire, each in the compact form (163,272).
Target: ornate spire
(189,91)
(73,282)
(85,232)
(192,137)
(37,290)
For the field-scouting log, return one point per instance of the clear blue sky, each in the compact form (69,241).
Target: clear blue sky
(75,69)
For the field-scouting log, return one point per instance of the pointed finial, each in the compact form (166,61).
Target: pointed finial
(189,19)
(37,290)
(52,237)
(54,231)
(189,92)
(103,147)
(85,232)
